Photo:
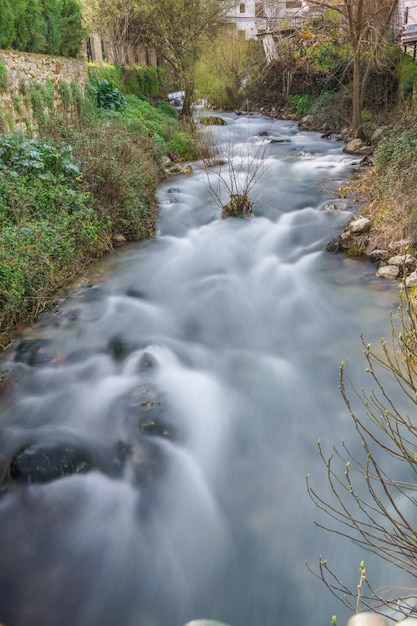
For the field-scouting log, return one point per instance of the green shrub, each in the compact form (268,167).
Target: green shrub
(20,156)
(120,172)
(108,96)
(395,153)
(408,78)
(332,109)
(160,125)
(396,170)
(6,24)
(89,172)
(3,77)
(49,231)
(112,73)
(301,103)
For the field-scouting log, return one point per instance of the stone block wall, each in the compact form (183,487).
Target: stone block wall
(22,71)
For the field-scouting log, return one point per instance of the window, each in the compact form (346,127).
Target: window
(242,8)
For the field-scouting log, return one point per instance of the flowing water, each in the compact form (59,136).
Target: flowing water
(188,389)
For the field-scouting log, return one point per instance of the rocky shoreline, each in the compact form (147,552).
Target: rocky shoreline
(394,259)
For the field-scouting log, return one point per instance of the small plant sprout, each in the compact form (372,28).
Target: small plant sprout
(362,579)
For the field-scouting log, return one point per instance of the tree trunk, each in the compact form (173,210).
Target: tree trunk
(356,96)
(188,101)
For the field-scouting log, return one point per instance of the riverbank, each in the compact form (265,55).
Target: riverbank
(84,185)
(384,228)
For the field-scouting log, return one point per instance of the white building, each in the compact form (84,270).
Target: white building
(255,17)
(408,12)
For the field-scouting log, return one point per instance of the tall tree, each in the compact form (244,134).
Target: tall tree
(179,30)
(72,31)
(364,25)
(7,31)
(51,10)
(30,26)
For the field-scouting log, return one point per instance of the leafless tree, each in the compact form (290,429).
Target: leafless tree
(364,25)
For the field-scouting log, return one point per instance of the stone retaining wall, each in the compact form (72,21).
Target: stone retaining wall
(23,70)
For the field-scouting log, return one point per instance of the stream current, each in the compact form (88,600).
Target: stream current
(193,382)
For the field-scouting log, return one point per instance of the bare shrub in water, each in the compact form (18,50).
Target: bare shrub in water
(231,176)
(371,505)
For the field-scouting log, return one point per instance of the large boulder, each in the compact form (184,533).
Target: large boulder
(378,134)
(357,146)
(360,226)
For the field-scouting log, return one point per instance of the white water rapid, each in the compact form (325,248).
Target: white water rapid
(183,397)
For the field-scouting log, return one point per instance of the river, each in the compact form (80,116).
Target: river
(188,388)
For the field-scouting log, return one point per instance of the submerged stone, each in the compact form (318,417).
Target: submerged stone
(212,120)
(43,463)
(34,351)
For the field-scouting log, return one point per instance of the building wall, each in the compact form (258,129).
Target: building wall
(255,17)
(408,12)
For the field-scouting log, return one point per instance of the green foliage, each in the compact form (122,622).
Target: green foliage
(106,71)
(21,156)
(221,71)
(366,117)
(332,109)
(396,169)
(301,103)
(383,85)
(72,30)
(88,173)
(334,59)
(49,227)
(42,26)
(30,26)
(6,24)
(144,81)
(108,96)
(160,125)
(65,93)
(166,109)
(120,171)
(3,77)
(408,78)
(53,22)
(395,154)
